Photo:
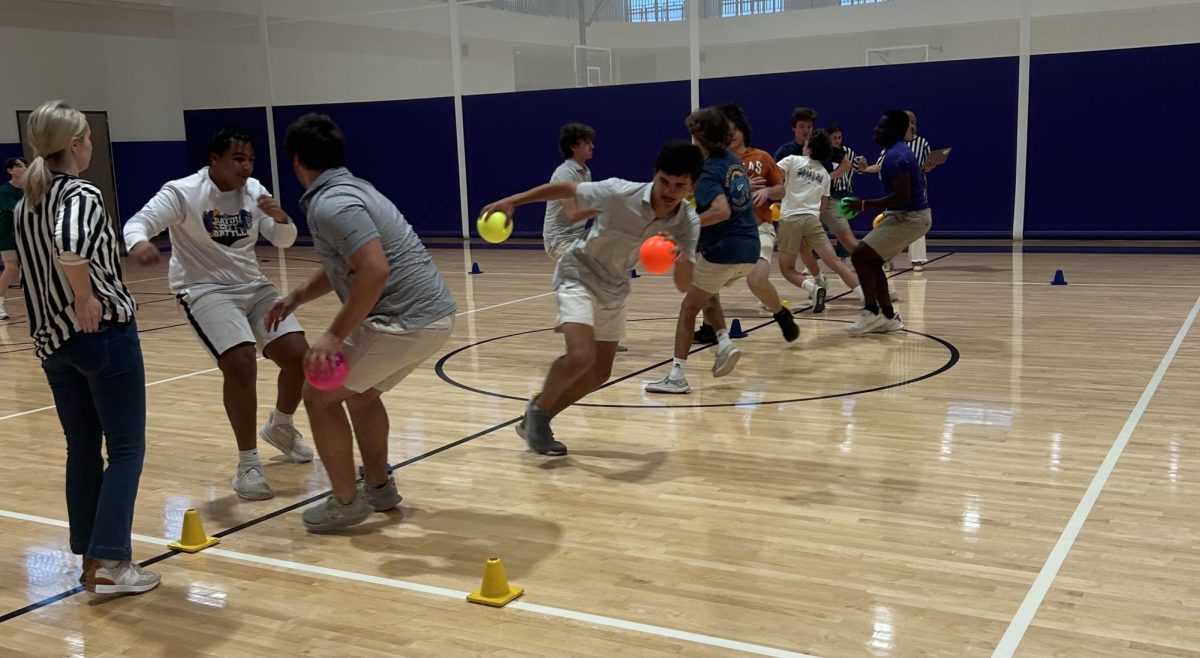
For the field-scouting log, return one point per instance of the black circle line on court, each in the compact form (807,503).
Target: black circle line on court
(951,360)
(37,605)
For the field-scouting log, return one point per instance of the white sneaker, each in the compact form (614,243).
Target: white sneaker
(251,484)
(890,325)
(124,578)
(727,358)
(887,266)
(892,294)
(822,280)
(288,440)
(867,323)
(668,385)
(918,266)
(3,312)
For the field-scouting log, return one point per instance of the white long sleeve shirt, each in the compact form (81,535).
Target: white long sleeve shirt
(213,233)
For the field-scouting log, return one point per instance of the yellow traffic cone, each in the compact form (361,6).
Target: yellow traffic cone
(495,590)
(193,538)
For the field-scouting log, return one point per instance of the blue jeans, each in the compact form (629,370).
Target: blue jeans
(99,386)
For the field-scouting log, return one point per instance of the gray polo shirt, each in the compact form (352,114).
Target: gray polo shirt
(555,227)
(344,213)
(624,220)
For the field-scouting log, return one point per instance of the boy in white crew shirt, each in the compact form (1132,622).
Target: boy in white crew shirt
(805,194)
(215,217)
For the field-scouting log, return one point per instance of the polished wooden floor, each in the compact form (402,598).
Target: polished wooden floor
(812,503)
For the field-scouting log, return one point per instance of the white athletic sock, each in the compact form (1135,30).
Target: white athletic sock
(109,564)
(810,286)
(280,418)
(248,458)
(723,338)
(677,368)
(858,292)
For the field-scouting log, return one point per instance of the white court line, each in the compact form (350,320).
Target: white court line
(515,301)
(1033,599)
(206,371)
(551,611)
(154,383)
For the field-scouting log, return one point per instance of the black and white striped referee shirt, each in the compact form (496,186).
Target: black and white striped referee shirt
(844,186)
(71,219)
(920,148)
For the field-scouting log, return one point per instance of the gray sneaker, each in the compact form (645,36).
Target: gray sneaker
(381,499)
(534,428)
(727,358)
(329,515)
(251,484)
(288,440)
(668,385)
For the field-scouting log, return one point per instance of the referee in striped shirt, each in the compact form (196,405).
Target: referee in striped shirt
(81,321)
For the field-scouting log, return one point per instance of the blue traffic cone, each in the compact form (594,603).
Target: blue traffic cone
(633,274)
(475,269)
(1059,279)
(735,330)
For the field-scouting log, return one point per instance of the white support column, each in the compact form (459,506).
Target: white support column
(693,16)
(1018,227)
(456,74)
(265,40)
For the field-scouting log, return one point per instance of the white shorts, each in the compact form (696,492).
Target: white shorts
(577,305)
(225,317)
(766,241)
(380,358)
(711,277)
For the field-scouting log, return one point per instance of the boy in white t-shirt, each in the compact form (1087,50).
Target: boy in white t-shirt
(805,193)
(214,218)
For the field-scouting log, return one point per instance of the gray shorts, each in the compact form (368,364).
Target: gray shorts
(898,230)
(223,317)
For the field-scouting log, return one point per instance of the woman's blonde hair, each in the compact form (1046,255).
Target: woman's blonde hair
(51,128)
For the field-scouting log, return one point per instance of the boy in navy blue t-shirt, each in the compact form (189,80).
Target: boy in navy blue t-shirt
(906,218)
(728,248)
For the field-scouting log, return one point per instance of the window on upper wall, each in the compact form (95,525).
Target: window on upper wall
(655,11)
(750,7)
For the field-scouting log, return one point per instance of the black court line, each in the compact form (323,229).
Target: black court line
(412,460)
(439,368)
(951,361)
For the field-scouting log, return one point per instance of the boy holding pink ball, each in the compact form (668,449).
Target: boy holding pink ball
(396,312)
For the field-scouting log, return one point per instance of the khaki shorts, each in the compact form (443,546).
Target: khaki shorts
(711,277)
(833,221)
(799,231)
(380,358)
(898,230)
(556,248)
(577,305)
(766,241)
